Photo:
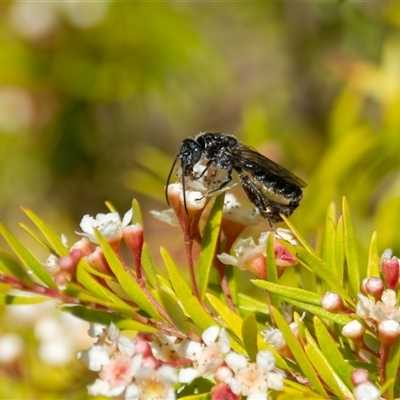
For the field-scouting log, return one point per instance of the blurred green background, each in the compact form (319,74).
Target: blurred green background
(95,98)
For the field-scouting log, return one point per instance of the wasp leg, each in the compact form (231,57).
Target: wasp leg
(269,209)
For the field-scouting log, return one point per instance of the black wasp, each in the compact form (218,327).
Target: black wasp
(270,187)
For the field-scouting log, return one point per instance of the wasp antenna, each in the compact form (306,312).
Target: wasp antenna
(169,178)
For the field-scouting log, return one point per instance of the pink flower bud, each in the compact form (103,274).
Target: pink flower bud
(374,287)
(222,391)
(70,261)
(390,270)
(332,302)
(359,376)
(389,330)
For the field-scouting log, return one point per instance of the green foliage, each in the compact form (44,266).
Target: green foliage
(319,352)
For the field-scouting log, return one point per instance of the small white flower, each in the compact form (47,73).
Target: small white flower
(364,306)
(109,225)
(234,211)
(253,379)
(96,357)
(156,384)
(366,391)
(274,338)
(11,346)
(206,357)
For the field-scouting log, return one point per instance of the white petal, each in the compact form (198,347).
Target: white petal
(210,335)
(223,342)
(236,361)
(265,360)
(96,330)
(227,259)
(257,396)
(275,380)
(167,216)
(126,346)
(187,375)
(98,388)
(132,392)
(190,349)
(95,358)
(366,391)
(168,373)
(127,218)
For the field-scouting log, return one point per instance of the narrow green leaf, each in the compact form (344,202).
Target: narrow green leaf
(331,352)
(10,266)
(323,272)
(373,257)
(148,266)
(325,369)
(106,318)
(209,243)
(97,289)
(350,249)
(304,299)
(328,246)
(26,257)
(298,352)
(87,298)
(341,319)
(339,250)
(298,236)
(289,292)
(53,239)
(174,310)
(184,293)
(36,238)
(272,272)
(125,279)
(249,335)
(8,300)
(392,367)
(247,303)
(234,323)
(137,213)
(231,319)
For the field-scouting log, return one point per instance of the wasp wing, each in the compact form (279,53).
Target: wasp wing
(247,155)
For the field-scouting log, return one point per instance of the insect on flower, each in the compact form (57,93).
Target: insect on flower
(270,187)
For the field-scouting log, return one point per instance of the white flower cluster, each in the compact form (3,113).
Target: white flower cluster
(153,366)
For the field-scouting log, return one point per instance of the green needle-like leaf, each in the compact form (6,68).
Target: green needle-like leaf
(189,302)
(249,335)
(321,270)
(148,266)
(53,239)
(26,257)
(373,257)
(325,369)
(137,213)
(106,318)
(289,292)
(209,243)
(331,352)
(97,289)
(350,249)
(392,367)
(272,272)
(125,279)
(298,353)
(174,310)
(10,266)
(8,300)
